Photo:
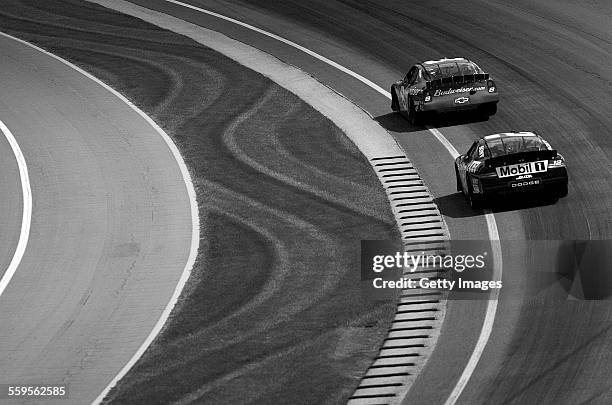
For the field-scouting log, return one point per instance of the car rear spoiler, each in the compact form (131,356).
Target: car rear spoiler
(457,80)
(521,157)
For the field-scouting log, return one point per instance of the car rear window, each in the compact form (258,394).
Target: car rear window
(448,69)
(514,144)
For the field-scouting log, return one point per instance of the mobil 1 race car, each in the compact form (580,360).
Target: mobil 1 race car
(444,85)
(514,162)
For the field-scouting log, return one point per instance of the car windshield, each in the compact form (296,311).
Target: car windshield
(440,70)
(504,145)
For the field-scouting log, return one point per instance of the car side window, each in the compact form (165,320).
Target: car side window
(472,152)
(418,75)
(478,152)
(481,151)
(411,76)
(407,77)
(415,74)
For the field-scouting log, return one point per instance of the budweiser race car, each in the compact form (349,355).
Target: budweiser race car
(514,162)
(444,85)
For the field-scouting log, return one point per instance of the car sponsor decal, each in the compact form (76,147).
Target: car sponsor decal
(462,100)
(525,183)
(414,92)
(476,185)
(403,99)
(472,167)
(522,169)
(439,92)
(481,151)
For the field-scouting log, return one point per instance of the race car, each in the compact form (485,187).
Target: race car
(510,162)
(444,85)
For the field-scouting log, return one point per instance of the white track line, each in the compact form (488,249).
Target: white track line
(195,228)
(26,218)
(322,58)
(487,326)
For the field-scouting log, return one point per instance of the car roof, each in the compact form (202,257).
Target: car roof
(506,143)
(442,60)
(446,67)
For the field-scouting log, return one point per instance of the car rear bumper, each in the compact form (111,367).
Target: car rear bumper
(553,183)
(462,101)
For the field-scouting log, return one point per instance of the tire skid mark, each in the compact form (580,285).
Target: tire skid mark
(211,82)
(231,142)
(282,266)
(223,201)
(302,167)
(256,367)
(169,64)
(305,167)
(77,26)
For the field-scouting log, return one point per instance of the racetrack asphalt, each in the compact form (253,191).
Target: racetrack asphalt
(274,305)
(550,60)
(110,232)
(11,201)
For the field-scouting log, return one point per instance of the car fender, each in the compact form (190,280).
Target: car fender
(460,166)
(402,97)
(396,88)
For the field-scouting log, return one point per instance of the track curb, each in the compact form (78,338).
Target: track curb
(420,313)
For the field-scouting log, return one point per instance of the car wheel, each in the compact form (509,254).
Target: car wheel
(459,185)
(563,191)
(475,201)
(413,116)
(488,109)
(394,103)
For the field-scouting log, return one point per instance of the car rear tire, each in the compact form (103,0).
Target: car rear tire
(562,191)
(414,117)
(394,103)
(488,109)
(475,201)
(459,185)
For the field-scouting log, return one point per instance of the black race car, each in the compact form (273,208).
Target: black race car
(444,85)
(512,162)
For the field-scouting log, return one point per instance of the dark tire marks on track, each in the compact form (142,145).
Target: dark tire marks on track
(273,311)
